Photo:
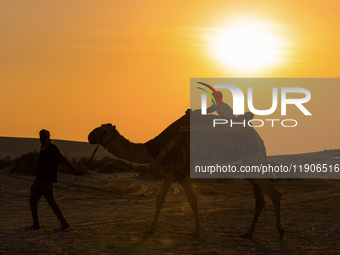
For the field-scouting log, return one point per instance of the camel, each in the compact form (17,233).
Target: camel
(175,166)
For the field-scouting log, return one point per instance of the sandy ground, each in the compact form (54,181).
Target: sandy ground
(108,213)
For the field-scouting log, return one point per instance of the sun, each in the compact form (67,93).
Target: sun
(248,46)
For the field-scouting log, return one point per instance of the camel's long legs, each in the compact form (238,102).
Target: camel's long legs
(275,196)
(186,184)
(168,179)
(259,204)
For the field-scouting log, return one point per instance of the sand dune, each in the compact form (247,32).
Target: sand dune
(17,146)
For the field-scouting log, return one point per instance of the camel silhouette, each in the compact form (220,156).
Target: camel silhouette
(171,149)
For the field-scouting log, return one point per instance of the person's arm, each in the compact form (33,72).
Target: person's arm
(62,159)
(211,109)
(70,165)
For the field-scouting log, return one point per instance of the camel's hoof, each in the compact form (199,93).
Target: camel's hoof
(149,232)
(281,232)
(247,235)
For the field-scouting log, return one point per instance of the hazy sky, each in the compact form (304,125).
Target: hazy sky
(70,66)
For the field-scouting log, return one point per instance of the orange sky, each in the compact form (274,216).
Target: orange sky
(70,66)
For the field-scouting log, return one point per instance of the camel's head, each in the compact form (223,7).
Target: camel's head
(103,134)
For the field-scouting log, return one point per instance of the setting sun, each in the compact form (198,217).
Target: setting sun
(247,45)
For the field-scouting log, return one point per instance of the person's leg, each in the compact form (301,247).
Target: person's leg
(48,194)
(36,193)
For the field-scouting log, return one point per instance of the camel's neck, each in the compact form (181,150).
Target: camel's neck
(133,152)
(147,152)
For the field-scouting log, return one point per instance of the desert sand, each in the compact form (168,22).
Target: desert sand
(109,212)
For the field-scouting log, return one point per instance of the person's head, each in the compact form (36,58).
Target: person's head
(219,94)
(44,136)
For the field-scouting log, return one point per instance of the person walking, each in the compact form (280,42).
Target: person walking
(49,157)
